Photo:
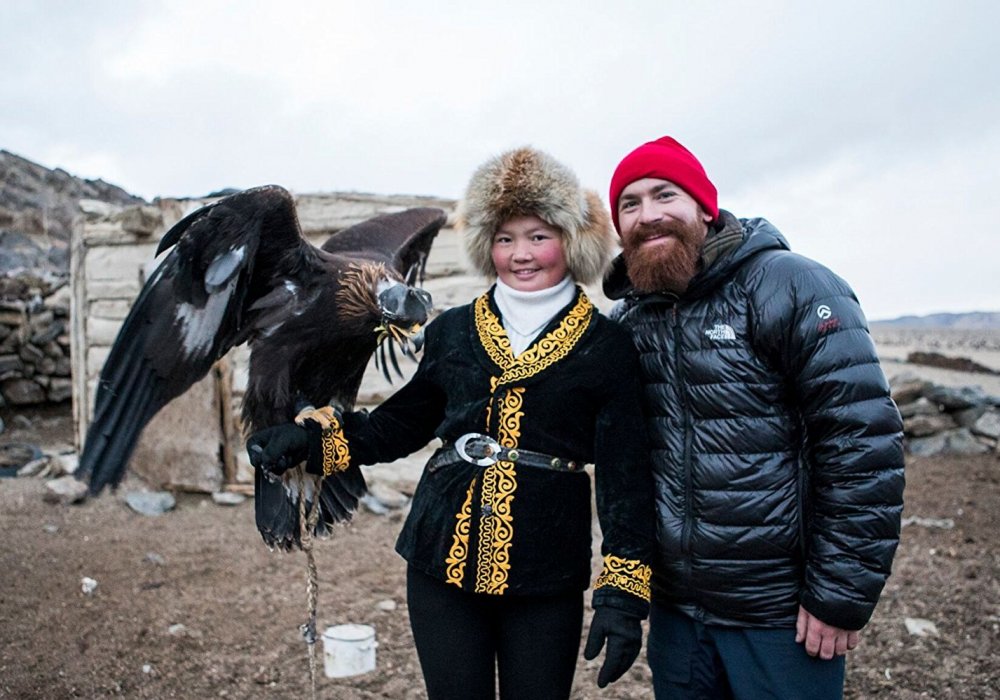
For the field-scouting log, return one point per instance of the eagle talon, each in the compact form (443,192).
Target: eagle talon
(326,417)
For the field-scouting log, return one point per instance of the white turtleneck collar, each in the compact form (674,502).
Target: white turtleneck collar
(525,314)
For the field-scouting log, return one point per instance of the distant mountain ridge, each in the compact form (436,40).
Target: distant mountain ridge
(37,208)
(970,321)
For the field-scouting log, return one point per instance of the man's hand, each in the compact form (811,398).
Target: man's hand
(623,633)
(821,639)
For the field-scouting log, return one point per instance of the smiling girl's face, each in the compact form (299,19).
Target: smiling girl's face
(528,254)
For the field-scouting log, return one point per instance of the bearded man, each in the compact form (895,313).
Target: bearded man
(777,450)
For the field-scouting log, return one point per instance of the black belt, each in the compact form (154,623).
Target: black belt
(482,450)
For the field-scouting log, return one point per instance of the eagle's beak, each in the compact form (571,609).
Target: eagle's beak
(404,312)
(404,309)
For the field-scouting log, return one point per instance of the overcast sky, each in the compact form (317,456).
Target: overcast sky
(868,132)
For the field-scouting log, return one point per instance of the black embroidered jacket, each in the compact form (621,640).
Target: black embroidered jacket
(516,529)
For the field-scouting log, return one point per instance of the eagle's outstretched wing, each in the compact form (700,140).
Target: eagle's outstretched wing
(239,270)
(191,310)
(404,248)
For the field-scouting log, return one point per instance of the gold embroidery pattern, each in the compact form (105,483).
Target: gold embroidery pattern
(496,524)
(543,353)
(459,551)
(496,527)
(336,452)
(629,575)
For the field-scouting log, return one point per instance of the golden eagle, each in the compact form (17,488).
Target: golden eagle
(240,271)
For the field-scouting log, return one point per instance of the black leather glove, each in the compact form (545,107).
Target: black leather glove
(623,633)
(279,448)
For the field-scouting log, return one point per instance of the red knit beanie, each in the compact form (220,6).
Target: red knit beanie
(665,159)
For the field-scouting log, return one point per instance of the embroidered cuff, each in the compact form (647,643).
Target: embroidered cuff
(334,450)
(629,575)
(334,454)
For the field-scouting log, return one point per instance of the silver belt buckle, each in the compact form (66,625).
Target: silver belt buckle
(477,443)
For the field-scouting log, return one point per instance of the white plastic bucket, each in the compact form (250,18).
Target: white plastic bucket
(348,650)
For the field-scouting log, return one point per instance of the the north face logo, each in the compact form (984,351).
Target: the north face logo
(721,331)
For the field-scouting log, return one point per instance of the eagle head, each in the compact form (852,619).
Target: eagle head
(404,309)
(375,292)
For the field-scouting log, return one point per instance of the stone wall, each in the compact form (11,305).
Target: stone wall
(35,350)
(946,420)
(37,209)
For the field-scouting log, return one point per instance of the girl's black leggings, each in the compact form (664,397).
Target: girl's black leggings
(466,640)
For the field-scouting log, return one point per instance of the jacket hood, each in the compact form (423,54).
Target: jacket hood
(758,235)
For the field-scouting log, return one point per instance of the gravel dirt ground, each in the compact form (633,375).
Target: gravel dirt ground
(192,605)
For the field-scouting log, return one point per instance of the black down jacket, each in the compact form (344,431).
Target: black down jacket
(777,451)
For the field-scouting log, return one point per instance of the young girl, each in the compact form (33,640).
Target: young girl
(524,386)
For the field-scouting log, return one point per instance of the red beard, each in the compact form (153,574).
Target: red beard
(666,267)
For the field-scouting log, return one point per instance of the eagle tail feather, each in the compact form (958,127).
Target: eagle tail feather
(276,514)
(340,493)
(277,511)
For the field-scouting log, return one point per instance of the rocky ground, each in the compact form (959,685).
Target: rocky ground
(192,605)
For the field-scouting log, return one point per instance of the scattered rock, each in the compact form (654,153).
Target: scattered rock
(155,558)
(927,446)
(150,503)
(177,630)
(924,425)
(920,407)
(20,391)
(988,425)
(37,467)
(907,388)
(386,605)
(942,523)
(919,627)
(388,496)
(967,417)
(228,498)
(957,398)
(88,585)
(21,421)
(60,389)
(373,505)
(18,454)
(265,676)
(65,490)
(963,442)
(67,462)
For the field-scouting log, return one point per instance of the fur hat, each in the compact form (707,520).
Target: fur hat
(526,182)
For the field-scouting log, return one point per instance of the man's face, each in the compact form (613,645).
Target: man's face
(663,229)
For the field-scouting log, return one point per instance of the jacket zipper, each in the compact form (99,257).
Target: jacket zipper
(686,427)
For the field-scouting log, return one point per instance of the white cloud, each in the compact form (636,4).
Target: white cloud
(907,235)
